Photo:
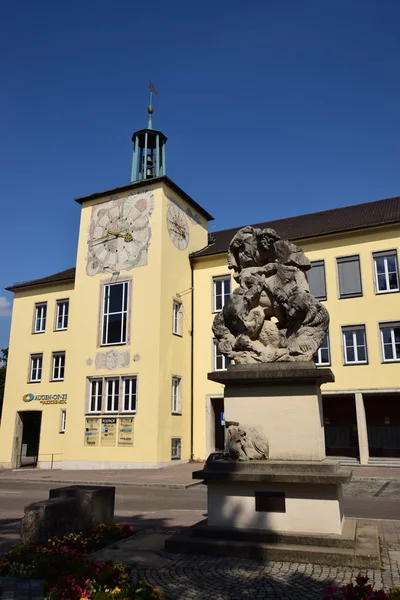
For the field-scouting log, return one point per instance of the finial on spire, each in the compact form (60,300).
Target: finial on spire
(150,108)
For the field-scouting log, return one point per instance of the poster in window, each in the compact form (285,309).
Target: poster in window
(92,432)
(108,431)
(125,434)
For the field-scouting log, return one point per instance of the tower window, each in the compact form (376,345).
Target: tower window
(115,314)
(177,318)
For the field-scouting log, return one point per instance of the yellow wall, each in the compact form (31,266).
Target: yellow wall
(23,343)
(370,309)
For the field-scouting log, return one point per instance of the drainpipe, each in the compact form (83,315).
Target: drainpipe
(192,364)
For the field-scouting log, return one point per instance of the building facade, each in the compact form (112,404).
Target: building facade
(108,361)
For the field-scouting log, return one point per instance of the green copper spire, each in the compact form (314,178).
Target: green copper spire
(149,148)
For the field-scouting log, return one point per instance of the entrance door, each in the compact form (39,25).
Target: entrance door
(29,451)
(383,423)
(340,423)
(217,417)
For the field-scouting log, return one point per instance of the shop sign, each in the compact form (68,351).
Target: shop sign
(92,432)
(108,431)
(46,398)
(125,433)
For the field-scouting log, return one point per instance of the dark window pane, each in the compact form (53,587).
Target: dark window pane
(397,346)
(387,338)
(388,351)
(114,329)
(381,282)
(396,334)
(393,281)
(392,263)
(350,355)
(360,338)
(115,292)
(348,336)
(380,265)
(361,353)
(324,355)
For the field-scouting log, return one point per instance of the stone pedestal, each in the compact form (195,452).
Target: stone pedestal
(284,399)
(288,507)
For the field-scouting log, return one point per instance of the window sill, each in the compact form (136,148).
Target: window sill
(113,344)
(35,381)
(176,458)
(349,297)
(390,361)
(62,329)
(177,334)
(328,364)
(384,292)
(36,332)
(176,414)
(55,380)
(128,413)
(352,364)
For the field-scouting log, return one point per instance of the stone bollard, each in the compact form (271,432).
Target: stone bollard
(47,518)
(96,503)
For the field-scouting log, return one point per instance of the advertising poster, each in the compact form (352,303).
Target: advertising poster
(92,432)
(125,434)
(108,431)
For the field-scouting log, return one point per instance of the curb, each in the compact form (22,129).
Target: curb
(87,482)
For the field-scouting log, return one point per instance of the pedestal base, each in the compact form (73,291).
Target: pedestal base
(357,546)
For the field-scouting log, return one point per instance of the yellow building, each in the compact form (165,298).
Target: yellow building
(108,361)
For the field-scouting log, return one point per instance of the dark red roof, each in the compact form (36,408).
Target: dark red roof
(357,216)
(67,275)
(325,222)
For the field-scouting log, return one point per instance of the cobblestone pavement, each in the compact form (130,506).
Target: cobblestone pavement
(195,577)
(20,589)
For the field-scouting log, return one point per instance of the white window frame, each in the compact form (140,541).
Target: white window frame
(123,312)
(35,368)
(62,313)
(353,329)
(176,450)
(177,314)
(176,395)
(95,383)
(40,318)
(216,355)
(63,420)
(390,326)
(223,279)
(58,366)
(130,382)
(114,383)
(382,255)
(319,362)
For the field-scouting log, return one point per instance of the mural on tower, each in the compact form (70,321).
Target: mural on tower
(119,233)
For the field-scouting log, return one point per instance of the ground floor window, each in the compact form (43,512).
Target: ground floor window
(63,420)
(112,395)
(176,444)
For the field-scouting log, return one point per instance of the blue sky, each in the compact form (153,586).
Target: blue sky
(272,108)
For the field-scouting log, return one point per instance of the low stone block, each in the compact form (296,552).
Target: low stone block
(59,516)
(96,503)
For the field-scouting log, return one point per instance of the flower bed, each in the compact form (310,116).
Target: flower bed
(70,574)
(358,591)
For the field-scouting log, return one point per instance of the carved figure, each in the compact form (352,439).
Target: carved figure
(245,442)
(271,316)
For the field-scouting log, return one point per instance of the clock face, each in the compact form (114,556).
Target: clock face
(119,233)
(178,227)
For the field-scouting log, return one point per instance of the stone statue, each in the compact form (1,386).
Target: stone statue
(245,442)
(271,316)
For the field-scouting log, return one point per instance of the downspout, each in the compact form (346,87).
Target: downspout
(192,365)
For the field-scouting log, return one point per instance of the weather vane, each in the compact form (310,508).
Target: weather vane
(150,109)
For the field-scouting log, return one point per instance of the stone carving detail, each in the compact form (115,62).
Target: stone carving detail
(246,442)
(112,360)
(271,316)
